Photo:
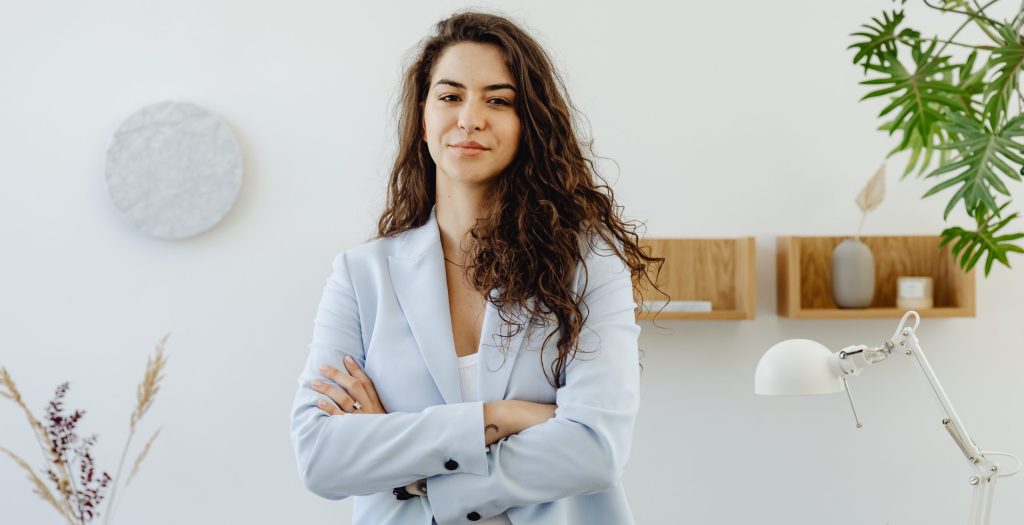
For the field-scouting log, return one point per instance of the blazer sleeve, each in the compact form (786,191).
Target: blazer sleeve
(362,454)
(584,448)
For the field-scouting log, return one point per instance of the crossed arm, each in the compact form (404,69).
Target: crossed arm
(352,391)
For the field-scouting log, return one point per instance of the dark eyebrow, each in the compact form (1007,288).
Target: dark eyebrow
(492,87)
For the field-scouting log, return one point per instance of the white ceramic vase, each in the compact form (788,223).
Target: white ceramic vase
(853,274)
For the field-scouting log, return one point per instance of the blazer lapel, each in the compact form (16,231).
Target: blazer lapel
(495,364)
(418,277)
(417,274)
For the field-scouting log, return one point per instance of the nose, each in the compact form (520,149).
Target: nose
(471,117)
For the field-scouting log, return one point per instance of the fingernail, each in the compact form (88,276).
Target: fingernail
(349,360)
(324,368)
(317,384)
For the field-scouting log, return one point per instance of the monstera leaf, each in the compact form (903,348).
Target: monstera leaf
(879,39)
(917,146)
(970,245)
(1007,60)
(983,156)
(921,96)
(968,83)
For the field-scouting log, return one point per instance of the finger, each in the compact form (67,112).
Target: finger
(339,397)
(329,407)
(353,368)
(352,386)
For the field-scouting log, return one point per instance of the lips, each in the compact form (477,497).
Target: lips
(468,148)
(469,144)
(468,152)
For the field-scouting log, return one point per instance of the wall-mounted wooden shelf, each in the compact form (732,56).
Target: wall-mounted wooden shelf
(805,277)
(716,270)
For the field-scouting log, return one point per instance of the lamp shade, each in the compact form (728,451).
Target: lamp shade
(797,367)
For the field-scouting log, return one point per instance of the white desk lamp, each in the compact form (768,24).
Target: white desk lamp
(803,367)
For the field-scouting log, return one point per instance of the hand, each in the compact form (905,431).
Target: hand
(505,417)
(355,387)
(530,413)
(414,488)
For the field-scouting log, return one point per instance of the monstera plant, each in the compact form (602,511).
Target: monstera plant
(956,108)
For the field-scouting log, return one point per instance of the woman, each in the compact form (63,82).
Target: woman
(499,259)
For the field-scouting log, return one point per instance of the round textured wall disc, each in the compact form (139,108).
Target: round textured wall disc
(174,170)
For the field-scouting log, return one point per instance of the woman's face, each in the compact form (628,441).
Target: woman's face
(472,98)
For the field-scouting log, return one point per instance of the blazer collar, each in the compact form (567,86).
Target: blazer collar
(420,283)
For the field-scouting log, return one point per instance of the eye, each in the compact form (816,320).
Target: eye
(446,98)
(501,101)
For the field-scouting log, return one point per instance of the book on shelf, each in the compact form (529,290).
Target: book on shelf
(679,306)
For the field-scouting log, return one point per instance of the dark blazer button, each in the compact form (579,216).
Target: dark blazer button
(451,464)
(473,516)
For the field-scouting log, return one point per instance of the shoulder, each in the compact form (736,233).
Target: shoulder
(601,261)
(369,256)
(373,249)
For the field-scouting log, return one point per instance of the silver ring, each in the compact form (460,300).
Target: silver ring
(356,406)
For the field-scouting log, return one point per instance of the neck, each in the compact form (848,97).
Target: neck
(458,206)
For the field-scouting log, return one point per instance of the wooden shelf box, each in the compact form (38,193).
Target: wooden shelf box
(805,277)
(716,270)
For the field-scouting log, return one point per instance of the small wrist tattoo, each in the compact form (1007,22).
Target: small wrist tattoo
(492,425)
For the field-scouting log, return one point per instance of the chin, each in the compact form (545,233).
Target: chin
(470,177)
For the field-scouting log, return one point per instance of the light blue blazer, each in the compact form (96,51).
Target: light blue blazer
(386,305)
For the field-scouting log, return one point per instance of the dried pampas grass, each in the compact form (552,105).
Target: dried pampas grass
(13,394)
(39,488)
(144,396)
(871,196)
(150,385)
(142,456)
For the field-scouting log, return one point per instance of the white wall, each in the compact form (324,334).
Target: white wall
(726,119)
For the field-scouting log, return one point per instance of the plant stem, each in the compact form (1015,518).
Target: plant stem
(863,217)
(977,16)
(117,477)
(981,47)
(951,37)
(74,488)
(981,13)
(69,512)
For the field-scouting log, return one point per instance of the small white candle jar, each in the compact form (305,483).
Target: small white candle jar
(914,293)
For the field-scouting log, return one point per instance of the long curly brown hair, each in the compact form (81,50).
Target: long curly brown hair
(545,207)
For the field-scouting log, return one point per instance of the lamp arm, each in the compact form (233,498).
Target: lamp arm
(907,340)
(986,472)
